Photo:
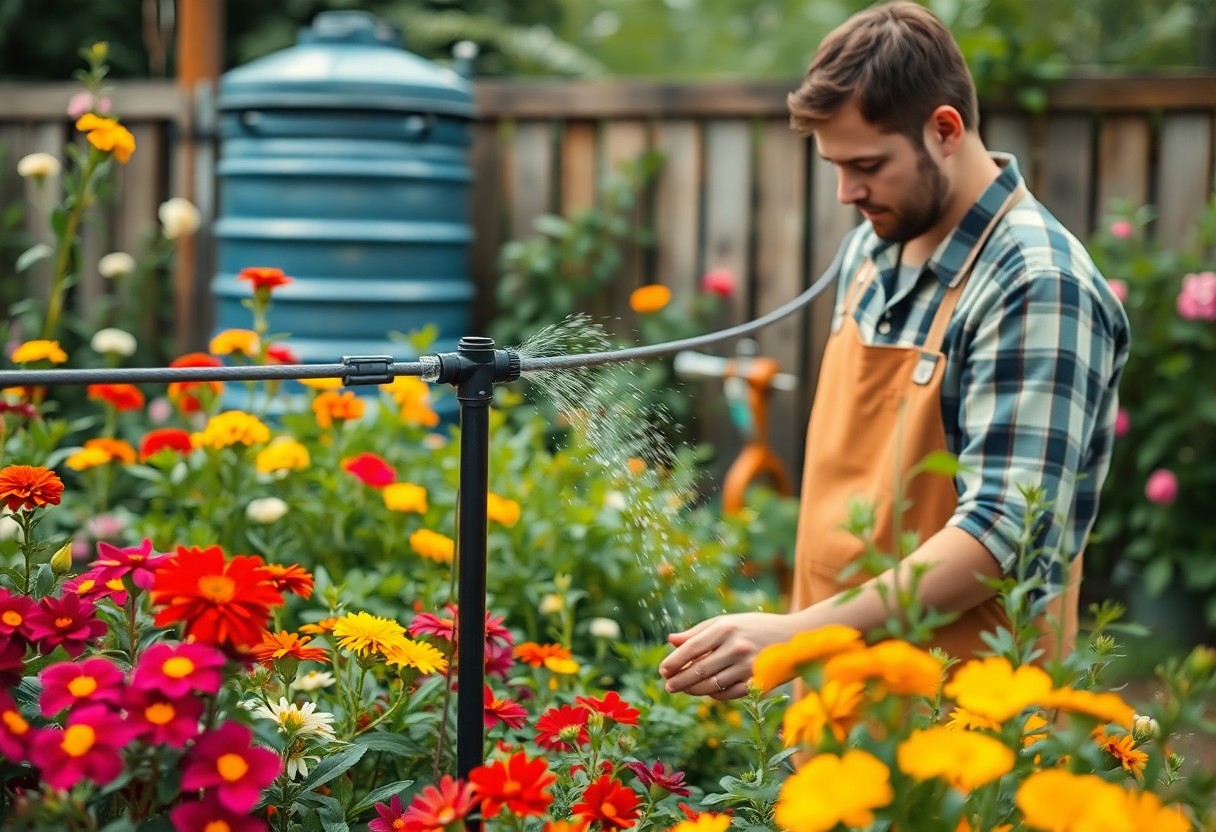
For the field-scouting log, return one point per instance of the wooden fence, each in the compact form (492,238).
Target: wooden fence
(737,189)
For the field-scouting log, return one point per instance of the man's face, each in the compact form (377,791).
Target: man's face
(895,183)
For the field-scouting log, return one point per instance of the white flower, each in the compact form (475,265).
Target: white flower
(265,509)
(604,628)
(297,765)
(616,500)
(551,604)
(116,264)
(116,341)
(1145,728)
(178,218)
(313,680)
(298,720)
(37,166)
(9,528)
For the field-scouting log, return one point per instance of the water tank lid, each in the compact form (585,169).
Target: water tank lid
(346,60)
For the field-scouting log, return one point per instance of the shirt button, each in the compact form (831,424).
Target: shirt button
(884,327)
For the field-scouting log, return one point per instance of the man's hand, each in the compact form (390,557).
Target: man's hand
(715,657)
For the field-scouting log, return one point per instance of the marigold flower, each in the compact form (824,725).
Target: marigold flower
(14,609)
(192,396)
(140,562)
(902,669)
(1144,810)
(119,396)
(107,135)
(286,644)
(496,710)
(502,510)
(968,721)
(323,384)
(405,496)
(1123,749)
(39,350)
(219,601)
(777,664)
(291,578)
(993,689)
(419,413)
(829,790)
(550,725)
(1055,799)
(406,389)
(364,633)
(658,776)
(1106,707)
(165,439)
(88,748)
(226,760)
(520,784)
(179,670)
(68,622)
(87,458)
(331,406)
(831,708)
(233,427)
(608,803)
(964,759)
(262,277)
(69,684)
(113,449)
(283,454)
(28,487)
(649,298)
(15,731)
(433,545)
(438,807)
(612,707)
(160,719)
(423,657)
(370,469)
(243,341)
(708,822)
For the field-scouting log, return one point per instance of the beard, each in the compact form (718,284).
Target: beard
(921,211)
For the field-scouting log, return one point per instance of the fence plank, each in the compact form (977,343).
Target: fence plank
(1012,133)
(678,205)
(140,182)
(1123,161)
(1183,173)
(780,271)
(485,214)
(578,167)
(531,176)
(728,217)
(1067,175)
(624,141)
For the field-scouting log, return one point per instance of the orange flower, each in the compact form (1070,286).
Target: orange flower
(27,487)
(101,451)
(264,278)
(832,708)
(433,545)
(107,135)
(1107,707)
(119,396)
(332,406)
(116,448)
(777,664)
(636,466)
(502,510)
(292,578)
(328,383)
(536,654)
(650,298)
(1123,748)
(325,625)
(285,644)
(903,669)
(191,396)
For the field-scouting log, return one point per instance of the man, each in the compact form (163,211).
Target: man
(968,320)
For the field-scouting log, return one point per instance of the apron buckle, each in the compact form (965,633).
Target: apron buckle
(923,373)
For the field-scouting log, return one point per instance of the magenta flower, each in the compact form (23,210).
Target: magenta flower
(177,670)
(14,609)
(15,732)
(67,622)
(391,815)
(719,281)
(1197,300)
(658,775)
(1162,487)
(93,586)
(12,660)
(1122,229)
(140,562)
(227,760)
(160,720)
(67,684)
(1118,288)
(499,660)
(89,747)
(209,814)
(1123,422)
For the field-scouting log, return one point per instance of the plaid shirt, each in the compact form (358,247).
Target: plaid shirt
(1035,350)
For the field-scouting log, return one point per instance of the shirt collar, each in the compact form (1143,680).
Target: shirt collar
(952,252)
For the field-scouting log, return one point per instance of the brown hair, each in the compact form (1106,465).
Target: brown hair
(897,61)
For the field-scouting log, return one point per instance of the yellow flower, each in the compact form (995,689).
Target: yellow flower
(650,298)
(1059,801)
(39,350)
(322,383)
(777,664)
(244,341)
(1146,811)
(405,496)
(829,790)
(708,822)
(433,545)
(330,407)
(502,510)
(1123,748)
(1107,707)
(832,707)
(423,657)
(965,826)
(962,718)
(964,759)
(993,689)
(558,664)
(87,458)
(283,454)
(101,451)
(1034,730)
(232,427)
(106,134)
(365,633)
(406,389)
(902,669)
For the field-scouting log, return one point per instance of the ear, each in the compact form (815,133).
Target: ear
(945,129)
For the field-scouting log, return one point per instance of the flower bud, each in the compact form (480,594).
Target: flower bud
(1144,728)
(605,628)
(116,264)
(61,561)
(113,341)
(569,734)
(595,722)
(1104,644)
(265,510)
(551,604)
(38,166)
(178,218)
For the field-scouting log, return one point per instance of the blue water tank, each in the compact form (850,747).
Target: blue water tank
(343,161)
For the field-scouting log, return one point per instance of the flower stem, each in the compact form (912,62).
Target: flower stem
(65,244)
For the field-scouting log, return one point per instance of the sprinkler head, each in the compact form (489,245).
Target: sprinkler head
(458,367)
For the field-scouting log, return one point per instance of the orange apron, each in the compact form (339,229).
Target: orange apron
(877,412)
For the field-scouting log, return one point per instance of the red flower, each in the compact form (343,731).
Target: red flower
(292,578)
(69,622)
(219,601)
(140,562)
(226,759)
(612,707)
(668,781)
(119,396)
(439,807)
(182,392)
(160,719)
(520,784)
(264,278)
(614,806)
(719,281)
(563,720)
(161,439)
(179,670)
(14,609)
(391,816)
(371,469)
(15,732)
(511,714)
(68,684)
(280,354)
(27,487)
(89,747)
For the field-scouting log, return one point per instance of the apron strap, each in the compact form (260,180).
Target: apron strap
(857,287)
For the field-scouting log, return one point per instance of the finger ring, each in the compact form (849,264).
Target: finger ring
(719,684)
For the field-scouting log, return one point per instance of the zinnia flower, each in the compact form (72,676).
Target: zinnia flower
(535,655)
(165,439)
(28,487)
(1197,299)
(612,707)
(209,815)
(365,633)
(392,816)
(720,282)
(266,510)
(113,341)
(179,670)
(609,804)
(281,354)
(551,728)
(15,731)
(964,759)
(433,545)
(993,689)
(370,469)
(233,427)
(160,719)
(285,644)
(1161,487)
(219,601)
(39,350)
(650,298)
(291,578)
(405,496)
(68,684)
(777,664)
(658,776)
(107,135)
(68,622)
(88,748)
(520,784)
(243,341)
(14,609)
(263,278)
(140,562)
(829,790)
(509,713)
(423,657)
(192,396)
(332,406)
(119,396)
(437,807)
(226,760)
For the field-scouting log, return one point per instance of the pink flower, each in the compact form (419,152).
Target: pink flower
(658,775)
(499,660)
(1123,422)
(12,659)
(89,747)
(161,720)
(140,562)
(208,814)
(1121,229)
(93,586)
(719,281)
(69,622)
(83,102)
(1118,288)
(68,684)
(14,609)
(373,470)
(159,410)
(1197,300)
(15,732)
(391,815)
(1162,487)
(105,526)
(226,759)
(179,670)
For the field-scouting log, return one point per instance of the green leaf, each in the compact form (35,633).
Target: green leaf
(383,794)
(940,462)
(32,255)
(331,767)
(394,744)
(44,580)
(330,813)
(1157,576)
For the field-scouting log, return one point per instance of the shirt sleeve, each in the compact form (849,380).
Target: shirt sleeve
(1036,370)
